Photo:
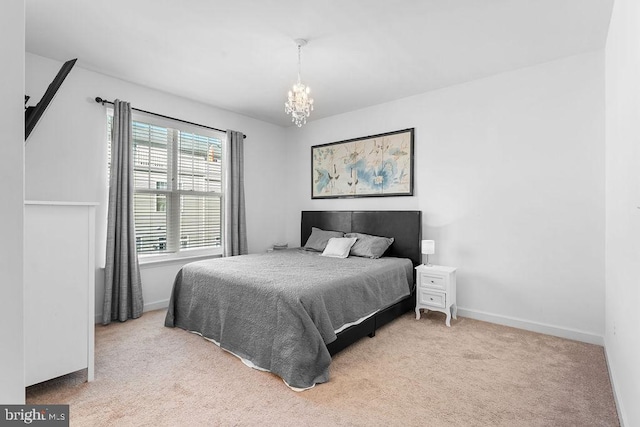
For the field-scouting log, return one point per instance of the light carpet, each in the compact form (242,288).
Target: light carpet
(412,373)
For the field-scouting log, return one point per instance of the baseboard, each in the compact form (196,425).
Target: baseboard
(156,305)
(619,408)
(572,334)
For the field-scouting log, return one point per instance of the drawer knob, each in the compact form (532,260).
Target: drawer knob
(432,281)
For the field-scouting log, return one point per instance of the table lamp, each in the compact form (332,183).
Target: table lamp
(428,248)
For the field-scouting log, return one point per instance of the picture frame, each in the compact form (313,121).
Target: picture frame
(372,166)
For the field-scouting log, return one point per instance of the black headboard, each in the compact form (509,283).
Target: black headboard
(404,226)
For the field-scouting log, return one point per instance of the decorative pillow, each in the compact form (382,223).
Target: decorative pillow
(319,239)
(369,246)
(339,247)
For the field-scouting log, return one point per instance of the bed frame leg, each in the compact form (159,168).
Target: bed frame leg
(372,334)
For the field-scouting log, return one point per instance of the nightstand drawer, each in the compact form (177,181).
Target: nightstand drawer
(436,299)
(433,281)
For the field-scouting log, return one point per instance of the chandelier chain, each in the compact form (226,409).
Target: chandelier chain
(299,62)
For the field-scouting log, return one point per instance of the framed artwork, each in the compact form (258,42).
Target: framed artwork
(377,165)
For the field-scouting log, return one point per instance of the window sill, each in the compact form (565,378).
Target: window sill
(158,260)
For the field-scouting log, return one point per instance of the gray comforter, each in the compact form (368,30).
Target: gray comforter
(279,309)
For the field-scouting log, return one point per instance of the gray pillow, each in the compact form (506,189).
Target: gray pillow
(369,246)
(319,239)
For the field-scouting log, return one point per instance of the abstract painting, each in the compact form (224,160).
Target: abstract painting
(377,165)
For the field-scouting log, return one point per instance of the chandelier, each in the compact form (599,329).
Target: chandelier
(299,104)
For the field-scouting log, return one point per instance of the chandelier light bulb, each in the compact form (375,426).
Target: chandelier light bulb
(299,104)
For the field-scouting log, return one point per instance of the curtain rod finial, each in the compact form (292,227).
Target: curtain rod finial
(99,100)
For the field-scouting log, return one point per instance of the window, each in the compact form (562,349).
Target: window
(177,186)
(161,201)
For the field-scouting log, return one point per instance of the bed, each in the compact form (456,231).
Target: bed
(288,312)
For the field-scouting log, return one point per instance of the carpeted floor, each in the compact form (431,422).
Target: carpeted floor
(412,373)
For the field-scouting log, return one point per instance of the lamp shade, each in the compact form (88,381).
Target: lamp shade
(428,247)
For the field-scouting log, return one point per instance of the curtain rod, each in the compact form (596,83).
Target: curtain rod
(104,101)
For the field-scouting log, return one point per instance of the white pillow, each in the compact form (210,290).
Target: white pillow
(339,247)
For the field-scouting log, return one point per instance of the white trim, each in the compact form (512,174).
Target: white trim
(91,294)
(59,203)
(152,260)
(156,305)
(619,408)
(543,328)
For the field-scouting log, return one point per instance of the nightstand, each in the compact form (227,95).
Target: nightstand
(436,290)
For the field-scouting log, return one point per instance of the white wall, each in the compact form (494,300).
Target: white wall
(66,156)
(623,207)
(12,207)
(509,175)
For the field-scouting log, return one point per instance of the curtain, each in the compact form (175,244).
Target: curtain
(122,285)
(235,224)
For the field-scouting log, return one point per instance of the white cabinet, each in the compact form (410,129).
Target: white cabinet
(436,290)
(59,274)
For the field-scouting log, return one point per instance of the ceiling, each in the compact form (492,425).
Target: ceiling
(239,55)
